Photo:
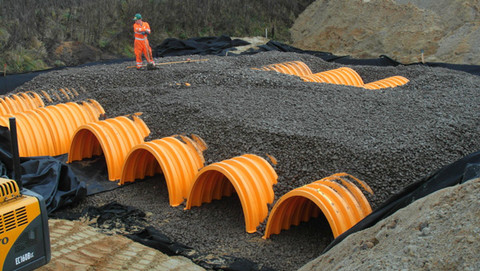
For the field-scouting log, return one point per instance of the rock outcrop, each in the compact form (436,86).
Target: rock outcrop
(445,30)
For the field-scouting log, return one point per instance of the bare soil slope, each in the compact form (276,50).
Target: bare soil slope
(438,232)
(388,138)
(446,30)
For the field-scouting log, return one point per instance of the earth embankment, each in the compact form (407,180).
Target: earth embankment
(445,30)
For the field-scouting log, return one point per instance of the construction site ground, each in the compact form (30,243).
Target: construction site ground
(77,246)
(388,138)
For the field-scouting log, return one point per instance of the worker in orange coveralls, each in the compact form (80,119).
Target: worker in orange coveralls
(142,30)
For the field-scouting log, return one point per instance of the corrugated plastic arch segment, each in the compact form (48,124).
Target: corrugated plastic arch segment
(48,130)
(30,137)
(287,206)
(252,178)
(178,161)
(66,118)
(38,134)
(344,76)
(20,102)
(342,206)
(389,82)
(116,137)
(292,67)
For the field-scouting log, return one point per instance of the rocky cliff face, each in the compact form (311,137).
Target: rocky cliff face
(446,30)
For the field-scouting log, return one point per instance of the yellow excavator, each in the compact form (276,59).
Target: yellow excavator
(24,234)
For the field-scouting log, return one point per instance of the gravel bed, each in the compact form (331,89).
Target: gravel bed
(388,138)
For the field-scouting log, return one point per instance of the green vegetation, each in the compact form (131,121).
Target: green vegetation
(31,32)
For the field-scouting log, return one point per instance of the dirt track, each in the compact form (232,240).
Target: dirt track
(388,138)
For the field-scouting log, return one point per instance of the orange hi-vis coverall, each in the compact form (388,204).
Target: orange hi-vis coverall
(141,43)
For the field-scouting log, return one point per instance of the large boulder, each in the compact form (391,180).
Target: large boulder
(445,30)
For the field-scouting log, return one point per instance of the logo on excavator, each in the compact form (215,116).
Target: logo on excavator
(4,240)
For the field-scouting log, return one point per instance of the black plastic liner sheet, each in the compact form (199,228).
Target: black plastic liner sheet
(53,180)
(60,184)
(197,46)
(93,171)
(463,170)
(153,238)
(12,81)
(48,177)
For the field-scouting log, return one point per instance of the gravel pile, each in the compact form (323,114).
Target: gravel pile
(388,138)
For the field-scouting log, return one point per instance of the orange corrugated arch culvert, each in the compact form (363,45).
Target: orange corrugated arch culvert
(343,205)
(48,130)
(291,67)
(340,76)
(113,137)
(179,158)
(249,175)
(389,82)
(20,102)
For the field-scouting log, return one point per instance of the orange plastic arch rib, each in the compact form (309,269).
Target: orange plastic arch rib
(64,93)
(252,178)
(356,192)
(292,67)
(113,137)
(340,204)
(389,82)
(48,130)
(178,161)
(47,96)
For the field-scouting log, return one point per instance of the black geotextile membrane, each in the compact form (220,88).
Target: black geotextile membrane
(128,219)
(51,179)
(197,46)
(60,184)
(93,172)
(153,238)
(462,170)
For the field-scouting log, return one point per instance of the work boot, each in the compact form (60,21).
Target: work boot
(151,66)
